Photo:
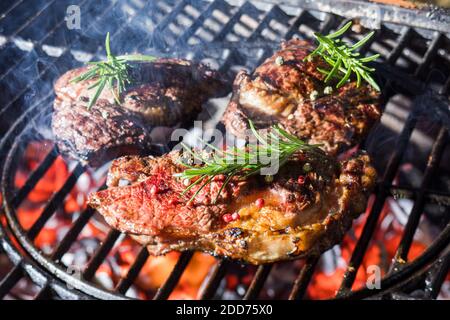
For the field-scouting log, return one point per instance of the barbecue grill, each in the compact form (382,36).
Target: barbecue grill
(37,46)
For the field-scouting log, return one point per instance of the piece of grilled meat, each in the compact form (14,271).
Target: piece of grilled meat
(165,93)
(289,90)
(298,214)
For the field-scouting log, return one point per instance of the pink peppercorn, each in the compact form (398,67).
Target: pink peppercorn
(301,180)
(259,203)
(227,218)
(235,216)
(220,177)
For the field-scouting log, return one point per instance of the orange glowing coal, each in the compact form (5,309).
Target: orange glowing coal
(380,253)
(157,270)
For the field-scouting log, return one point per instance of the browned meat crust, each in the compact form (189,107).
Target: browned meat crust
(165,93)
(101,133)
(283,90)
(299,217)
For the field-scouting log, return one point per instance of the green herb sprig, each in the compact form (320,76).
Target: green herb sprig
(242,163)
(112,73)
(343,58)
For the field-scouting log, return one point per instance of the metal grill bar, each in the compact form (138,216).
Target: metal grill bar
(303,279)
(44,293)
(72,234)
(216,277)
(246,8)
(296,24)
(416,18)
(51,206)
(403,40)
(46,68)
(381,195)
(430,54)
(170,284)
(133,272)
(38,44)
(258,282)
(436,283)
(398,278)
(273,13)
(412,193)
(16,273)
(55,201)
(8,10)
(414,217)
(390,172)
(101,254)
(67,241)
(33,17)
(182,40)
(15,130)
(34,178)
(157,33)
(122,31)
(10,280)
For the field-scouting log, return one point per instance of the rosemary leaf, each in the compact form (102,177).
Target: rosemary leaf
(341,31)
(112,73)
(344,59)
(242,163)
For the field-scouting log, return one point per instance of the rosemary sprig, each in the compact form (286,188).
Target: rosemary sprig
(242,163)
(112,73)
(343,58)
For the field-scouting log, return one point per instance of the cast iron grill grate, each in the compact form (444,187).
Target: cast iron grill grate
(37,48)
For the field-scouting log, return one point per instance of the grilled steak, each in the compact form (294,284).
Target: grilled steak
(299,213)
(165,93)
(289,90)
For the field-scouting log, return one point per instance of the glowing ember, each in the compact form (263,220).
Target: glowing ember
(381,251)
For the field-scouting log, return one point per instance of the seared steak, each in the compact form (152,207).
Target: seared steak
(290,91)
(165,93)
(301,212)
(100,133)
